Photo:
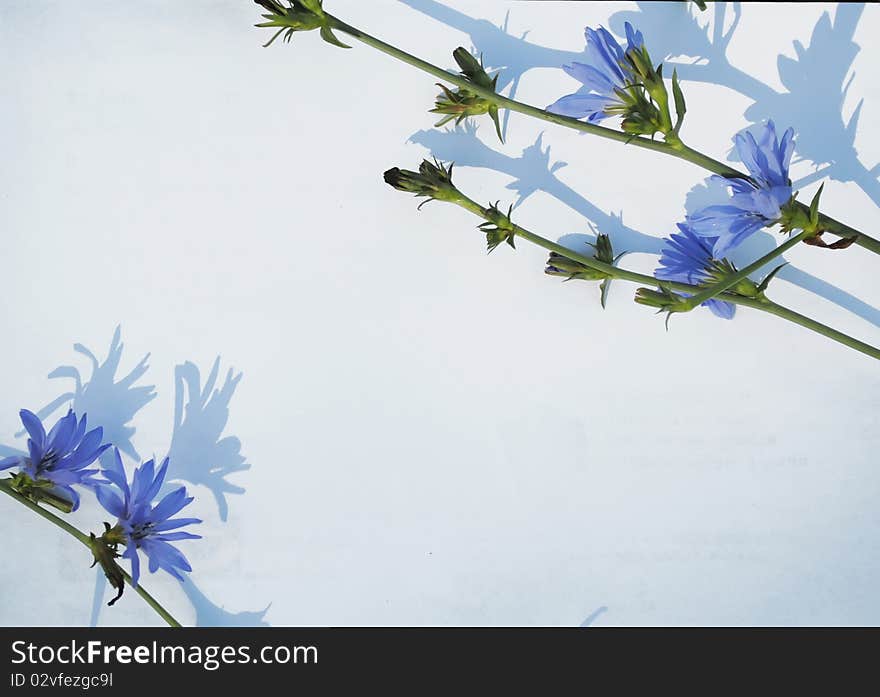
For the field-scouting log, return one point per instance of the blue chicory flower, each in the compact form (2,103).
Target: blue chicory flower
(605,76)
(756,202)
(61,456)
(687,258)
(145,526)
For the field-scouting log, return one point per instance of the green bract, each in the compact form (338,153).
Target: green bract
(299,15)
(560,265)
(461,103)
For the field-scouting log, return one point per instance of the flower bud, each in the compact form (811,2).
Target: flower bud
(641,119)
(498,227)
(433,181)
(604,250)
(299,15)
(664,300)
(462,102)
(558,265)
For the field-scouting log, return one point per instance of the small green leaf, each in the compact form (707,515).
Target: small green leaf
(495,236)
(769,277)
(604,287)
(493,113)
(330,37)
(678,97)
(814,207)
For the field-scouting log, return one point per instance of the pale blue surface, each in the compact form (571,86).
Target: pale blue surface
(400,430)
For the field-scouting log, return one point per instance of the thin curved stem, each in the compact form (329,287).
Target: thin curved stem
(84,539)
(675,149)
(759,303)
(613,271)
(734,278)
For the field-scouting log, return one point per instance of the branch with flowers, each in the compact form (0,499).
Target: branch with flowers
(58,466)
(622,82)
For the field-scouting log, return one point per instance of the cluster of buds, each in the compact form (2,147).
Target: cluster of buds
(498,227)
(298,15)
(646,102)
(433,182)
(459,104)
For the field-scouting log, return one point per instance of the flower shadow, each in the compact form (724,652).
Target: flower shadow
(208,614)
(674,30)
(761,243)
(816,81)
(590,620)
(534,171)
(199,453)
(513,56)
(109,402)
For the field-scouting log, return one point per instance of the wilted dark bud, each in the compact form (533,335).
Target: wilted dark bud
(462,102)
(433,181)
(104,550)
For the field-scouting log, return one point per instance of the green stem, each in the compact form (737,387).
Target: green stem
(676,148)
(811,324)
(613,271)
(84,539)
(734,278)
(761,303)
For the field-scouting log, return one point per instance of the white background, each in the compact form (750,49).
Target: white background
(436,437)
